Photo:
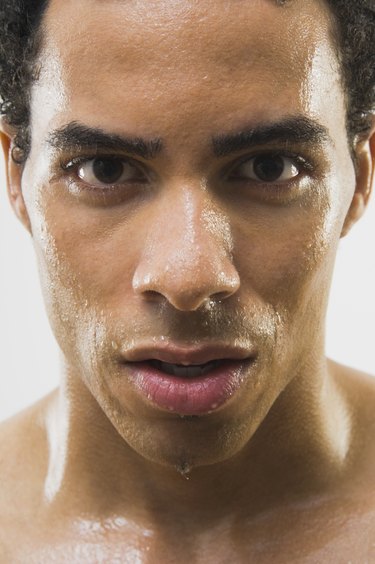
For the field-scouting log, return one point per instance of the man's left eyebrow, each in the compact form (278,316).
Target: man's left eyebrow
(290,130)
(75,135)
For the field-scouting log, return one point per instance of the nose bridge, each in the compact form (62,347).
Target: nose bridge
(197,231)
(187,256)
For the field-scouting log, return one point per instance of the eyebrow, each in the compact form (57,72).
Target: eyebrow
(298,129)
(76,135)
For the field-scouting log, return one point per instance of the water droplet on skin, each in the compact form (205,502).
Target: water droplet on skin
(184,468)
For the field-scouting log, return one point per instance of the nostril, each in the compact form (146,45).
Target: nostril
(153,295)
(220,296)
(183,292)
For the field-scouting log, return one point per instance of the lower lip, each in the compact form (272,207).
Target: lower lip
(188,396)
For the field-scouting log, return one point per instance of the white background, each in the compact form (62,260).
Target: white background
(29,355)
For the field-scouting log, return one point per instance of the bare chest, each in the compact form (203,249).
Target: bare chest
(301,537)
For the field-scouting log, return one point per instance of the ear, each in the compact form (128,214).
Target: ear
(365,167)
(13,174)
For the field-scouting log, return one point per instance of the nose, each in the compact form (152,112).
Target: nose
(187,255)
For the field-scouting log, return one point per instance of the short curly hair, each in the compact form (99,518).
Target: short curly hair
(20,42)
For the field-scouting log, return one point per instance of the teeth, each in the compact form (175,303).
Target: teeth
(191,371)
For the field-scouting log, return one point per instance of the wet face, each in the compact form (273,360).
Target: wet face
(187,186)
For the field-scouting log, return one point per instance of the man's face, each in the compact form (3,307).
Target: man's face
(215,237)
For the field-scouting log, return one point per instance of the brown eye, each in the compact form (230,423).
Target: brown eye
(268,168)
(108,171)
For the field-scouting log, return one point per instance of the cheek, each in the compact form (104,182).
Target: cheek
(288,256)
(91,250)
(86,263)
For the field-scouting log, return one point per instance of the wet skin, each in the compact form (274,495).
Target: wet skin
(188,248)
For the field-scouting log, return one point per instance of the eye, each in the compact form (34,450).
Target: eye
(108,171)
(267,168)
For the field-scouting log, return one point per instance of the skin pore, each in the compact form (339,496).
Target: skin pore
(188,248)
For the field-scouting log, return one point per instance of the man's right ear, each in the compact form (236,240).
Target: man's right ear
(13,174)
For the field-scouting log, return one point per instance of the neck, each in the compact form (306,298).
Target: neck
(298,449)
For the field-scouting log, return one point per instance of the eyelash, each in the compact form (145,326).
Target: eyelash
(108,196)
(73,164)
(303,165)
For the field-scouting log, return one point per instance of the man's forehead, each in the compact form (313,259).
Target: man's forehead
(212,21)
(137,63)
(179,38)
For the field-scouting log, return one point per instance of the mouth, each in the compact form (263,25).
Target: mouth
(188,381)
(185,371)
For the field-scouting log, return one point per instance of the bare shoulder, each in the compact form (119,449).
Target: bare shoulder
(359,392)
(20,436)
(359,388)
(22,463)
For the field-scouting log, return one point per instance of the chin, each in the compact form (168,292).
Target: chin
(183,442)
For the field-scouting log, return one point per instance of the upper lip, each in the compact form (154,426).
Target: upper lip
(188,355)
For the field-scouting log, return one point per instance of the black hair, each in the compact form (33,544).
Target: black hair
(21,39)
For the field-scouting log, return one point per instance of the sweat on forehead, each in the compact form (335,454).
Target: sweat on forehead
(121,55)
(156,15)
(139,38)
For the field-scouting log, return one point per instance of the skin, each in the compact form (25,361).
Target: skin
(192,253)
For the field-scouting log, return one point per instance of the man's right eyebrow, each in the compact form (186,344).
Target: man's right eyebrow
(75,136)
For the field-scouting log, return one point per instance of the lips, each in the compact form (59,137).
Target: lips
(185,371)
(186,380)
(188,355)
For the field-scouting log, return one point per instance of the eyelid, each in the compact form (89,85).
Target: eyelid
(70,167)
(73,162)
(303,164)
